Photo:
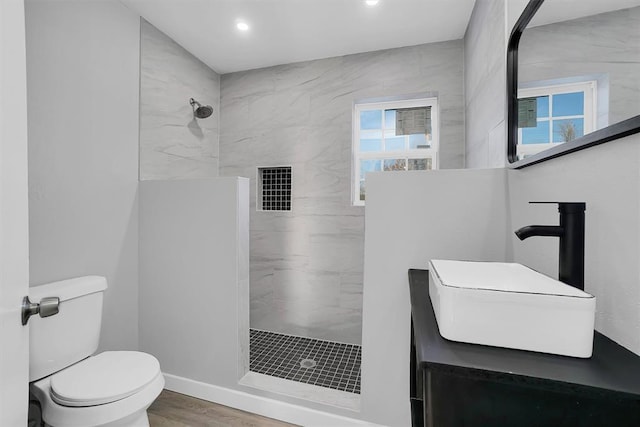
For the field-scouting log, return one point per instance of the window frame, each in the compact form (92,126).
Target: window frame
(587,87)
(416,153)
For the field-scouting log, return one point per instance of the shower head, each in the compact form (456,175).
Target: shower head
(200,111)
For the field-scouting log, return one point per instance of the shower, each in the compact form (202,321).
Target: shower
(200,111)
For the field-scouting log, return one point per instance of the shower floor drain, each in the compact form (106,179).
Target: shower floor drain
(305,360)
(307,363)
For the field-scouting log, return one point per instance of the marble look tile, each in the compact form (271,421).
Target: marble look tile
(304,287)
(307,76)
(165,166)
(306,274)
(174,145)
(351,291)
(336,252)
(485,68)
(497,154)
(311,320)
(278,110)
(278,245)
(481,112)
(244,84)
(171,140)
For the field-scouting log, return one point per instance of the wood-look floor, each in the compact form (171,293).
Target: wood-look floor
(177,410)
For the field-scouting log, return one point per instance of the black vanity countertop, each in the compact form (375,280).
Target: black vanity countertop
(611,369)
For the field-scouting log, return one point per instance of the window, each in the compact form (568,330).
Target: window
(552,115)
(393,136)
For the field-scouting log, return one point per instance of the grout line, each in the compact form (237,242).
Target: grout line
(307,338)
(276,354)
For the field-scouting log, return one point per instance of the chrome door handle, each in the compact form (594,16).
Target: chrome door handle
(47,307)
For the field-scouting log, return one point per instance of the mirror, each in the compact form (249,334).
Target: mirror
(573,77)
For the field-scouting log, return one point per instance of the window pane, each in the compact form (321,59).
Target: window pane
(389,119)
(371,134)
(395,164)
(418,140)
(536,135)
(543,106)
(567,130)
(419,164)
(568,104)
(370,144)
(369,166)
(383,146)
(394,144)
(371,119)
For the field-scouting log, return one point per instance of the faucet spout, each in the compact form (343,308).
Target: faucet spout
(571,235)
(539,230)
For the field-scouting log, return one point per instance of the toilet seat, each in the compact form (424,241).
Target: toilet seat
(119,412)
(104,378)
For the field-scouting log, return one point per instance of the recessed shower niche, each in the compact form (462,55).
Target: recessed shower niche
(274,188)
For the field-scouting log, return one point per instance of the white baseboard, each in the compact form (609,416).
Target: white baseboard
(270,408)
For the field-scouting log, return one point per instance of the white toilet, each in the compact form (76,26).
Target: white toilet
(75,388)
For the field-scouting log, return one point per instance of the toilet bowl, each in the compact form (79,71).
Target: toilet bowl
(74,387)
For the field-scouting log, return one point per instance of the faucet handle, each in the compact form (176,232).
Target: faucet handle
(566,207)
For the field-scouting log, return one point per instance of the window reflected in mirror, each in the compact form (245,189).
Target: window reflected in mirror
(578,72)
(554,114)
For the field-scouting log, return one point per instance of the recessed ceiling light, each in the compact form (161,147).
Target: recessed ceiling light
(242,26)
(371,2)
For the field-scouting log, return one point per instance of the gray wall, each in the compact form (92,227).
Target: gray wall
(82,71)
(194,277)
(605,44)
(173,144)
(485,88)
(607,178)
(439,226)
(306,266)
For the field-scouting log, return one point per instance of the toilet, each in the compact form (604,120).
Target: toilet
(72,386)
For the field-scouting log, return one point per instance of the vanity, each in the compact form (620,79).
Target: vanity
(572,84)
(459,384)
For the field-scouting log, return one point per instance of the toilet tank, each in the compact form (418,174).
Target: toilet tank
(71,335)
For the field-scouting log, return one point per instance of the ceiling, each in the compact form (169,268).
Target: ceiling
(287,31)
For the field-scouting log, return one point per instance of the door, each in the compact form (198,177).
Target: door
(14,242)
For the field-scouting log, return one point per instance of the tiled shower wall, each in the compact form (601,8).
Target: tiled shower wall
(306,265)
(173,144)
(485,91)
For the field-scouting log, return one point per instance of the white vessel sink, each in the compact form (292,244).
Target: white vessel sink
(510,305)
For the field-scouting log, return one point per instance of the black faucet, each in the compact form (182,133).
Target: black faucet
(571,234)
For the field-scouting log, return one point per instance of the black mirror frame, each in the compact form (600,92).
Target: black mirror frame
(600,136)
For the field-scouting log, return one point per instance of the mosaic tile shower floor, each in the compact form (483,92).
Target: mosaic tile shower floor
(306,360)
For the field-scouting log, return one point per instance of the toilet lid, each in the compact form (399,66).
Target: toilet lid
(104,378)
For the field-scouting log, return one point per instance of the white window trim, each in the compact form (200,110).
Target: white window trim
(589,88)
(418,153)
